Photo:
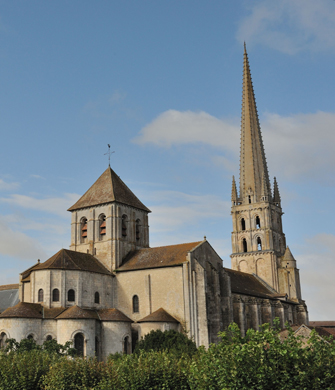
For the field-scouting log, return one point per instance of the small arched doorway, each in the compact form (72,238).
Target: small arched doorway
(79,344)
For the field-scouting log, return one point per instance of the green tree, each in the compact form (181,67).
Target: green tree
(169,341)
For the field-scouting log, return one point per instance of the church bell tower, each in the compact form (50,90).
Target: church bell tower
(258,241)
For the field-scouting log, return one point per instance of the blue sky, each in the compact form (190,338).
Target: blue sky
(161,81)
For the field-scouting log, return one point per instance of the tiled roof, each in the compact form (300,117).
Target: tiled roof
(159,315)
(23,310)
(8,297)
(76,312)
(163,256)
(247,284)
(70,260)
(324,324)
(113,315)
(9,287)
(108,188)
(53,312)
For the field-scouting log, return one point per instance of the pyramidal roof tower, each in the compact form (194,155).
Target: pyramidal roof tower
(109,221)
(253,167)
(258,241)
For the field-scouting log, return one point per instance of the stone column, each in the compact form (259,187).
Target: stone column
(279,312)
(253,313)
(266,312)
(302,314)
(239,313)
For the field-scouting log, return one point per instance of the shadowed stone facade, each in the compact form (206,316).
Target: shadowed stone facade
(111,288)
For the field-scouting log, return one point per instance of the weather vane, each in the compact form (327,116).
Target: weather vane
(109,155)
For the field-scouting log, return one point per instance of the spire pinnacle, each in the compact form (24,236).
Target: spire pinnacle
(253,164)
(234,196)
(276,194)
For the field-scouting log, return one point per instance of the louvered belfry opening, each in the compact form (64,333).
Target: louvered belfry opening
(83,225)
(124,225)
(138,232)
(102,226)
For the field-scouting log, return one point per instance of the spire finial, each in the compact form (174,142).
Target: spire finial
(245,48)
(234,196)
(109,155)
(276,194)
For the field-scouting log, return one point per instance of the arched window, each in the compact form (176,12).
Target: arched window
(102,226)
(30,337)
(3,338)
(258,222)
(124,225)
(136,304)
(49,337)
(242,224)
(55,295)
(126,345)
(40,295)
(79,343)
(244,243)
(83,230)
(97,297)
(259,244)
(71,295)
(249,197)
(138,230)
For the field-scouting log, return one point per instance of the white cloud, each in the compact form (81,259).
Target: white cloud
(56,206)
(174,127)
(17,244)
(177,209)
(4,186)
(317,266)
(290,26)
(296,146)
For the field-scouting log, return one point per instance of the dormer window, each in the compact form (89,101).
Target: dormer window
(83,230)
(137,230)
(124,225)
(102,226)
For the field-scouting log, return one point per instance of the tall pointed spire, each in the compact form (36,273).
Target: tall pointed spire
(276,194)
(252,157)
(234,196)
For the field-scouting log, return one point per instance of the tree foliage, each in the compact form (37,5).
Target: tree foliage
(170,341)
(260,360)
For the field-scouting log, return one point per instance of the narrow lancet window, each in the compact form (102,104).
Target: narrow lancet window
(40,295)
(245,247)
(97,297)
(242,224)
(258,222)
(136,304)
(259,244)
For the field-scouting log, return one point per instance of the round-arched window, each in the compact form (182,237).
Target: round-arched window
(71,295)
(79,343)
(136,304)
(40,295)
(55,295)
(97,297)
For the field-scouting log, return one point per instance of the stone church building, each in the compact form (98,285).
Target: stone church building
(110,288)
